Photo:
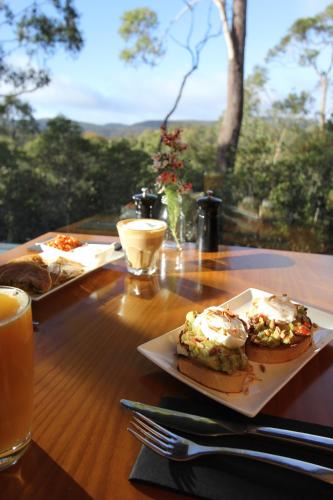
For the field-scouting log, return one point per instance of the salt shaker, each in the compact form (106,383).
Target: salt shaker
(208,231)
(144,203)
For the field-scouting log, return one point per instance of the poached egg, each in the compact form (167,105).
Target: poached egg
(275,307)
(222,326)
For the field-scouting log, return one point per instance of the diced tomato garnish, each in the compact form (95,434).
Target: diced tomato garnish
(64,242)
(303,330)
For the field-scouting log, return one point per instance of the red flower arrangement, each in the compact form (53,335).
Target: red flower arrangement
(169,166)
(170,180)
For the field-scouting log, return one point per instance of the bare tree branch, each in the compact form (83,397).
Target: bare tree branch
(194,54)
(330,64)
(20,92)
(187,7)
(23,11)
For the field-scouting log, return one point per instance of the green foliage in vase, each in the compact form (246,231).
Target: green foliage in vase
(174,210)
(171,178)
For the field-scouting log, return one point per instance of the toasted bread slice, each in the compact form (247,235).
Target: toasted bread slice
(220,381)
(278,354)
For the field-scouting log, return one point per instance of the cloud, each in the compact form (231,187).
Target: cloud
(129,101)
(205,97)
(62,93)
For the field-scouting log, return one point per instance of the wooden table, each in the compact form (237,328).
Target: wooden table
(86,361)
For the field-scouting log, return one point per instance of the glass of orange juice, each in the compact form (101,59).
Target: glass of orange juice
(16,374)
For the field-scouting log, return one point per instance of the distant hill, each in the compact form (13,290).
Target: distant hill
(119,129)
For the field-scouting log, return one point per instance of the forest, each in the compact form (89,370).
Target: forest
(278,193)
(59,175)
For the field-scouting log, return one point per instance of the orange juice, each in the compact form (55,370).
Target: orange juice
(16,374)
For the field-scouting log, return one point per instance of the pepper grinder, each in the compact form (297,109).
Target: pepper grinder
(208,233)
(144,203)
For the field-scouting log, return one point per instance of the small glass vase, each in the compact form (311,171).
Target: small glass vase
(172,213)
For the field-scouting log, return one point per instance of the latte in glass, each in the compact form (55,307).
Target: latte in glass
(141,240)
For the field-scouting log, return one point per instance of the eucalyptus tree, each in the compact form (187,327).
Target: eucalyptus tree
(310,40)
(140,30)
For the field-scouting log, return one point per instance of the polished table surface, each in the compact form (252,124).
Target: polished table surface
(87,360)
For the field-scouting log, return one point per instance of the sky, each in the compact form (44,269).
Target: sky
(97,87)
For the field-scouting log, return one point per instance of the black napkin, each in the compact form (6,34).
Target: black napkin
(219,477)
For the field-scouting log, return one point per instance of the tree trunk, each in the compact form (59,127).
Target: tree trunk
(323,99)
(277,152)
(232,120)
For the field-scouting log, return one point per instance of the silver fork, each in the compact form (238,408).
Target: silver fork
(174,447)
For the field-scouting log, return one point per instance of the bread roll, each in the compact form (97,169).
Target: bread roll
(29,276)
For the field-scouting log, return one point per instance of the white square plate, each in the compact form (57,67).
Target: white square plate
(162,352)
(89,255)
(106,254)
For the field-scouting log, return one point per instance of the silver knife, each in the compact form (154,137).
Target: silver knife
(203,426)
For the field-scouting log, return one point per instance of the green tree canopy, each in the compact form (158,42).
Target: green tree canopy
(310,39)
(34,33)
(121,170)
(139,27)
(65,159)
(17,120)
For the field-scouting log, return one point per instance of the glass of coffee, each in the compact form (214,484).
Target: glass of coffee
(141,240)
(16,374)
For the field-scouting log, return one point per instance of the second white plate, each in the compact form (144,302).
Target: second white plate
(162,352)
(109,255)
